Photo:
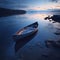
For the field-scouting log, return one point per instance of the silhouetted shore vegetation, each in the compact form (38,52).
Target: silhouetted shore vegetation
(8,12)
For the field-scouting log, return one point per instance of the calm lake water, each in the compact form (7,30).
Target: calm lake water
(34,49)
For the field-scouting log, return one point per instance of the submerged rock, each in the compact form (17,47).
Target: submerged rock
(57,33)
(53,22)
(38,44)
(55,44)
(49,43)
(58,43)
(45,55)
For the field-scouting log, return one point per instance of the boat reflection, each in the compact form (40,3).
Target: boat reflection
(20,43)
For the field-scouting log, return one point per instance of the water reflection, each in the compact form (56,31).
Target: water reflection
(56,21)
(36,16)
(13,23)
(52,20)
(23,41)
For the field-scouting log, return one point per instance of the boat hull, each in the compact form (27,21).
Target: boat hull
(20,35)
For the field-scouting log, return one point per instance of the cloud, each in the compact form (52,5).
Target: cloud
(55,0)
(12,4)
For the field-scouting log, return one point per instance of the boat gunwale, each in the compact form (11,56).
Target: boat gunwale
(17,33)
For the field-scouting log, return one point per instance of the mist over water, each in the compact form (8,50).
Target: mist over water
(35,48)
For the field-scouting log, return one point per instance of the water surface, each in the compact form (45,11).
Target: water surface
(35,48)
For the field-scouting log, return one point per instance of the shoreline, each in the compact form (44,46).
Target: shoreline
(7,12)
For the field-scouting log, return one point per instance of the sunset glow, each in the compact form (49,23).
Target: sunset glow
(46,7)
(36,16)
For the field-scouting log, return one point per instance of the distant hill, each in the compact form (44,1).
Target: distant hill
(7,12)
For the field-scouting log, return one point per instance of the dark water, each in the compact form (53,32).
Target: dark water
(35,49)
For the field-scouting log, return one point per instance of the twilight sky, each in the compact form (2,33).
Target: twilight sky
(31,4)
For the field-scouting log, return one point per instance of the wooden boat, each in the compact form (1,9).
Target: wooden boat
(26,31)
(20,43)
